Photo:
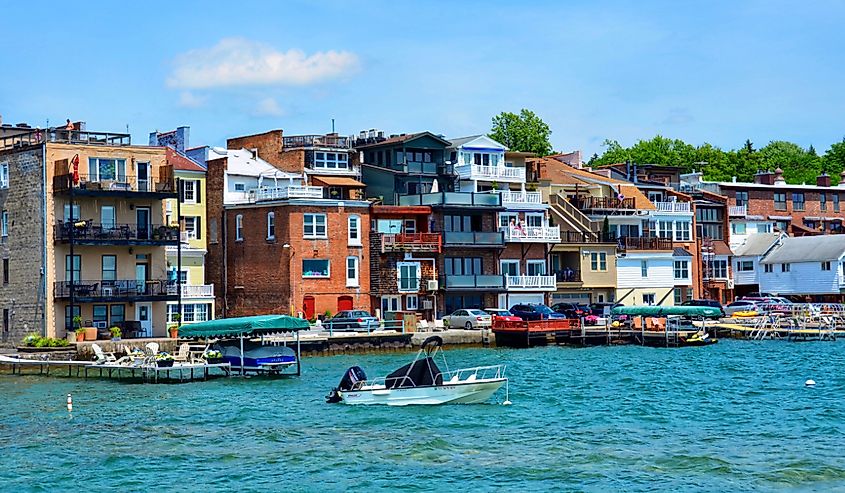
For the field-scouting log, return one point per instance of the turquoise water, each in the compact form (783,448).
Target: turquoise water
(730,417)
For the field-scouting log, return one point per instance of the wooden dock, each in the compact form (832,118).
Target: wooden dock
(179,372)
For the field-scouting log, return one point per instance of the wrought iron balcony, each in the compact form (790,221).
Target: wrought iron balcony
(568,275)
(107,290)
(91,233)
(114,184)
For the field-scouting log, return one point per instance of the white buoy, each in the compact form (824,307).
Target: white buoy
(69,403)
(810,383)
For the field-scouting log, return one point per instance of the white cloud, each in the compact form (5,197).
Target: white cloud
(268,107)
(187,99)
(241,62)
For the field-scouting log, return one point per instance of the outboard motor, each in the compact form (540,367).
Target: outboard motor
(352,376)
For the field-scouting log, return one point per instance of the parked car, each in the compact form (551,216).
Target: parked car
(712,303)
(502,314)
(471,318)
(741,306)
(571,310)
(535,312)
(603,309)
(352,320)
(771,304)
(755,294)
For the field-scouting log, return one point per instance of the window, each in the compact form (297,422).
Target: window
(738,228)
(239,228)
(719,268)
(644,268)
(389,226)
(664,229)
(191,226)
(314,225)
(412,302)
(823,201)
(825,265)
(101,314)
(710,230)
(409,276)
(354,230)
(334,160)
(109,268)
(764,228)
(648,298)
(780,201)
(768,268)
(5,271)
(107,169)
(390,304)
(462,266)
(682,269)
(117,314)
(4,224)
(410,226)
(745,266)
(835,198)
(351,271)
(107,217)
(706,214)
(782,225)
(77,267)
(509,267)
(741,198)
(271,225)
(508,218)
(4,175)
(598,261)
(784,267)
(67,214)
(626,230)
(797,201)
(534,220)
(682,231)
(313,267)
(189,191)
(536,267)
(679,295)
(77,311)
(240,187)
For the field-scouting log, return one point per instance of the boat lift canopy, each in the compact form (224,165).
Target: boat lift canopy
(246,327)
(662,311)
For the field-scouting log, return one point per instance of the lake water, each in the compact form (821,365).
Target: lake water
(731,417)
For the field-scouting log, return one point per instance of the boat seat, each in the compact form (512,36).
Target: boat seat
(454,379)
(471,378)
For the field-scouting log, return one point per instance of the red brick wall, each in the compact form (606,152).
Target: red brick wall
(761,202)
(214,213)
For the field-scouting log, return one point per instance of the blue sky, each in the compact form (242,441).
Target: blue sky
(717,72)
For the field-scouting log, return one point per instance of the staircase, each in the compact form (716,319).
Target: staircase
(570,215)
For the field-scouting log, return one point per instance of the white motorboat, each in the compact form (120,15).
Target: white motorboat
(421,382)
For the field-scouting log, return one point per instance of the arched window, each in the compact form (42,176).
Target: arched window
(271,225)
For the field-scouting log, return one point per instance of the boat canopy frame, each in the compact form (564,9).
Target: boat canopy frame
(662,311)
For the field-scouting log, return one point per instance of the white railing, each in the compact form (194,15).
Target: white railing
(532,233)
(544,283)
(491,173)
(672,206)
(738,210)
(193,291)
(349,169)
(294,192)
(521,198)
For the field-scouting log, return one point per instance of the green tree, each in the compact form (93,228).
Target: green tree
(525,132)
(833,161)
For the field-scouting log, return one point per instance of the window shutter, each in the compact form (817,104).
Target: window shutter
(198,226)
(181,191)
(197,191)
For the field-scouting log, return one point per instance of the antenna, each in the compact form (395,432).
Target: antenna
(332,125)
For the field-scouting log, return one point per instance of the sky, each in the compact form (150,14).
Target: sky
(701,71)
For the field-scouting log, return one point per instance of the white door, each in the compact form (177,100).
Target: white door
(144,314)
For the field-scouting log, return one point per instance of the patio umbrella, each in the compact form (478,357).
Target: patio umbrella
(434,186)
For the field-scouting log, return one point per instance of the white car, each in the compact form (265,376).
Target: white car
(468,319)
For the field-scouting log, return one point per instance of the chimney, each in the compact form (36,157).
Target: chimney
(823,180)
(764,178)
(779,177)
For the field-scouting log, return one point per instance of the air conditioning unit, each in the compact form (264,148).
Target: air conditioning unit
(432,285)
(100,325)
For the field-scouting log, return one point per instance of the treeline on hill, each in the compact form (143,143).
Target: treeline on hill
(799,165)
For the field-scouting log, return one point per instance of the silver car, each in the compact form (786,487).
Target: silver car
(468,319)
(741,306)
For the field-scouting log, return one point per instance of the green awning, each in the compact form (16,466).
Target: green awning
(235,327)
(662,311)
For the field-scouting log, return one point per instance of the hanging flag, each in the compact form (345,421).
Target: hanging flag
(75,163)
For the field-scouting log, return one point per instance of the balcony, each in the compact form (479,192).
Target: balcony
(672,206)
(453,199)
(568,275)
(91,233)
(411,242)
(325,141)
(604,204)
(114,186)
(38,137)
(737,210)
(192,291)
(530,283)
(279,193)
(338,170)
(472,282)
(533,200)
(482,239)
(532,234)
(639,243)
(591,237)
(118,290)
(491,173)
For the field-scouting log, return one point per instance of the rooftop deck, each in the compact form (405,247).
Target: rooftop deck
(33,137)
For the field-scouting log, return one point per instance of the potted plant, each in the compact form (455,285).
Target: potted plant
(80,334)
(173,330)
(115,333)
(90,333)
(214,357)
(164,360)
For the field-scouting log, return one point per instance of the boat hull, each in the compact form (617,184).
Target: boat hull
(475,392)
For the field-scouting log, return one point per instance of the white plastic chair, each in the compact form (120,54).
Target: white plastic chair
(102,356)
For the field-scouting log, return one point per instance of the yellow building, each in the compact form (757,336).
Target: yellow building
(197,296)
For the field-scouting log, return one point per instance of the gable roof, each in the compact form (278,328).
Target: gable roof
(559,173)
(806,249)
(757,244)
(480,139)
(404,138)
(182,162)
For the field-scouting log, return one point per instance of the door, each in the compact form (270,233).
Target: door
(144,315)
(143,177)
(141,278)
(344,303)
(308,306)
(142,218)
